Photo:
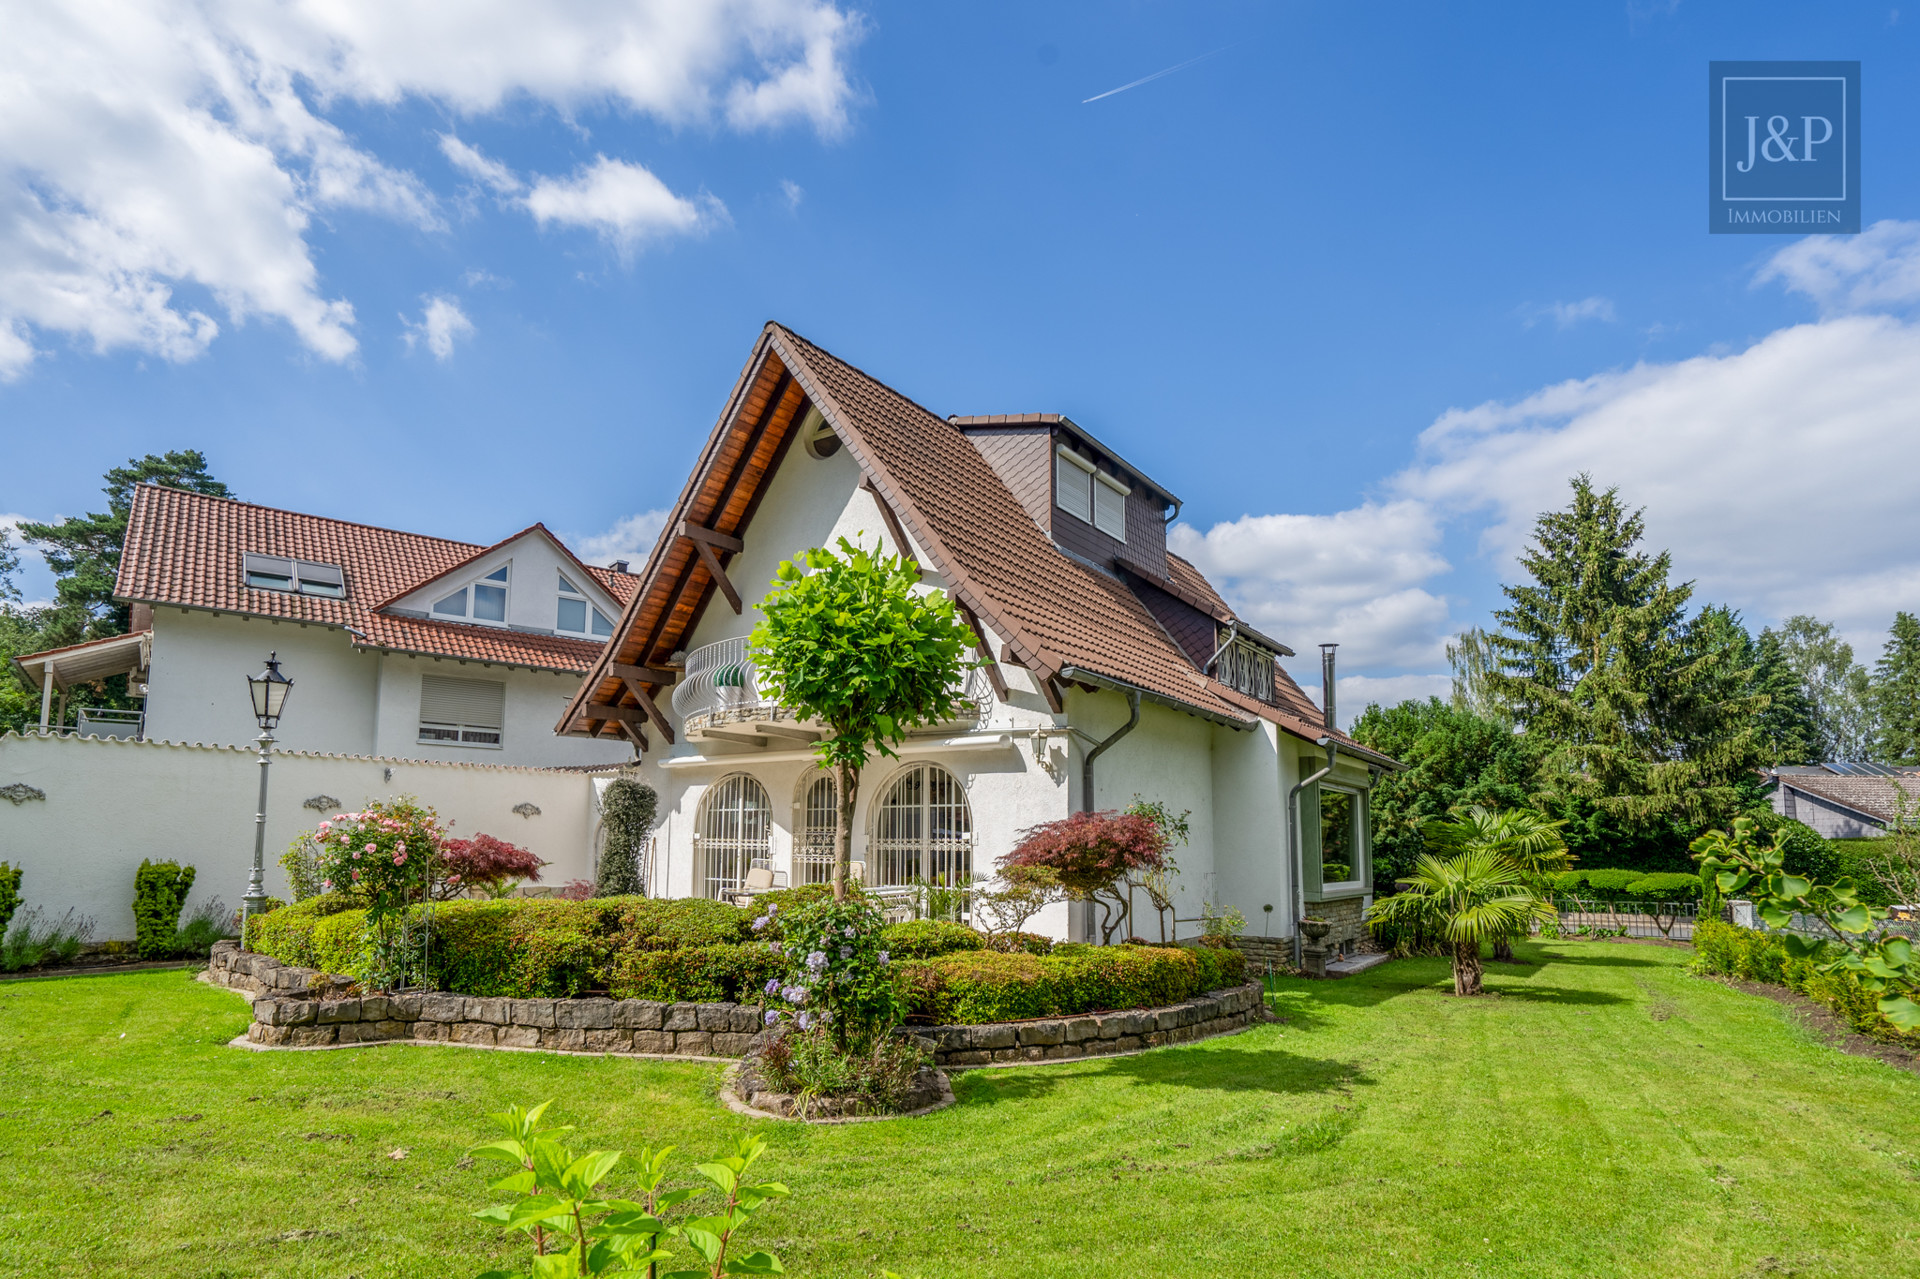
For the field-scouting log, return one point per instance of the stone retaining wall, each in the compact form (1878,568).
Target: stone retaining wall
(301,1008)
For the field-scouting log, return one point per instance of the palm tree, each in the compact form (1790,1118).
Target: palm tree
(1524,837)
(1470,898)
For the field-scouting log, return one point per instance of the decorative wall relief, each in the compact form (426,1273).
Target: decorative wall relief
(20,793)
(527,810)
(322,803)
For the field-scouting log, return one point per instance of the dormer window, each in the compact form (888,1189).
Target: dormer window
(577,616)
(1089,494)
(481,601)
(1248,668)
(298,577)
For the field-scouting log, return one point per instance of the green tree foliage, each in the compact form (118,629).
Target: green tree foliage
(1789,729)
(627,809)
(848,639)
(1643,713)
(1454,758)
(159,894)
(1837,688)
(1530,842)
(1896,694)
(84,553)
(1471,657)
(1472,897)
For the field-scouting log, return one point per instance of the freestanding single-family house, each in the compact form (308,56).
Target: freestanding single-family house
(1114,668)
(400,645)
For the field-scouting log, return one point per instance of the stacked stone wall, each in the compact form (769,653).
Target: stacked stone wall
(301,1008)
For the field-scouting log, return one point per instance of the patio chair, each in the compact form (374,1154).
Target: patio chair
(759,880)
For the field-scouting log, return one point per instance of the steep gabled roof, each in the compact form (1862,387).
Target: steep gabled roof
(1056,613)
(185,549)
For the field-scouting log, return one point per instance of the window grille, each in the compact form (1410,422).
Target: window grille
(461,712)
(819,828)
(923,830)
(1248,668)
(735,835)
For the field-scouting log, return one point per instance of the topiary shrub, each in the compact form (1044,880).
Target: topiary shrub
(9,894)
(1806,853)
(627,809)
(925,938)
(159,894)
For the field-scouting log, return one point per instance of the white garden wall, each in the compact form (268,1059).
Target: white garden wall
(109,803)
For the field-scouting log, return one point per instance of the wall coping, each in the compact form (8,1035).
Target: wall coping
(302,1008)
(158,743)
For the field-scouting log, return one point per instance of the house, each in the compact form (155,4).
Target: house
(1846,800)
(400,645)
(1114,669)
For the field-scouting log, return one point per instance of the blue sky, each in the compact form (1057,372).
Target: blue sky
(1363,285)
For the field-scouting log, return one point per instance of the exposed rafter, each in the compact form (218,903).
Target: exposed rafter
(644,696)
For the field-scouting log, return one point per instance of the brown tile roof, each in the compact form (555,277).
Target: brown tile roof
(1057,614)
(184,549)
(1877,797)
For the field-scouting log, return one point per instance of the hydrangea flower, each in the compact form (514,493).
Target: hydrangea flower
(817,960)
(772,1017)
(806,1020)
(883,957)
(760,923)
(846,952)
(773,984)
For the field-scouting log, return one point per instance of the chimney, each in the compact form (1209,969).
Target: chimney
(618,566)
(1326,688)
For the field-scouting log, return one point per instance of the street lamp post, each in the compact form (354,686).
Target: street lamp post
(268,690)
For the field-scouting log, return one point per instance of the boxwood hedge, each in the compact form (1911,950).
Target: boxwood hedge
(986,986)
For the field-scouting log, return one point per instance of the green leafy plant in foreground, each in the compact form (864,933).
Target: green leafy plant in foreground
(576,1231)
(1883,963)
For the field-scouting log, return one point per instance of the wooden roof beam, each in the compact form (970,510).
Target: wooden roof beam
(644,674)
(643,695)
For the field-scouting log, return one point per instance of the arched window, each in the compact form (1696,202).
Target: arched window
(736,823)
(923,830)
(819,827)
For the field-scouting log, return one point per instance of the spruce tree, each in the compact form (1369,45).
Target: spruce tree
(1787,725)
(1645,715)
(1896,694)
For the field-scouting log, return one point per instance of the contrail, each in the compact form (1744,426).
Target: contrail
(1155,76)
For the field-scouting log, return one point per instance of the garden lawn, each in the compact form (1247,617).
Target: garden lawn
(1602,1113)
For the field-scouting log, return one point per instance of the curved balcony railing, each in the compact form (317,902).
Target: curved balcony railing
(720,683)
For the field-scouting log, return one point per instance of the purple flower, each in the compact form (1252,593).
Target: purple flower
(846,952)
(772,1017)
(883,957)
(775,945)
(806,1021)
(772,909)
(773,984)
(817,960)
(761,922)
(848,930)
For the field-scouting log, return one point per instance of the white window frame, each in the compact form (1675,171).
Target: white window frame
(903,838)
(440,732)
(301,577)
(1073,481)
(1356,830)
(489,578)
(1107,519)
(567,591)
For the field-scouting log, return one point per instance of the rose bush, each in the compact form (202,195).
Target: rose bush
(384,854)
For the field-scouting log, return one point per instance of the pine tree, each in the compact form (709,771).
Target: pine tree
(1645,714)
(1896,694)
(1787,726)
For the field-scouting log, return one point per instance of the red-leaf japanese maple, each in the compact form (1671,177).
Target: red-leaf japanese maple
(1091,853)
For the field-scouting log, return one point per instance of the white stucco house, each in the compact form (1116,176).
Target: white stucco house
(1114,669)
(400,645)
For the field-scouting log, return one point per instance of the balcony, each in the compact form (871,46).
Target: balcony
(719,699)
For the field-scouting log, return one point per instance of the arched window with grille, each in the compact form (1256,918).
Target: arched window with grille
(819,826)
(734,834)
(923,830)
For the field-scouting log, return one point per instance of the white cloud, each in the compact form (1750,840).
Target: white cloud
(482,169)
(1878,268)
(1355,577)
(1567,314)
(624,202)
(793,192)
(163,160)
(630,539)
(441,324)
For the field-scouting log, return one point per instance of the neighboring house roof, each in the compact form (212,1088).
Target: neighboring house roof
(1061,618)
(185,549)
(85,662)
(1878,798)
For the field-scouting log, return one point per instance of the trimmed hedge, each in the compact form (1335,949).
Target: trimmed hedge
(1726,950)
(1628,885)
(287,933)
(159,894)
(927,938)
(972,987)
(703,974)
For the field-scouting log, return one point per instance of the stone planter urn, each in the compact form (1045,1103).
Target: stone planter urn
(1313,950)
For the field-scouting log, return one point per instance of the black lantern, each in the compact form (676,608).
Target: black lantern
(269,690)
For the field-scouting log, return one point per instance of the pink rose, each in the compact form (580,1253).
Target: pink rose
(371,848)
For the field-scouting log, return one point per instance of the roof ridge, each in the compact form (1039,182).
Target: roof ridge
(305,515)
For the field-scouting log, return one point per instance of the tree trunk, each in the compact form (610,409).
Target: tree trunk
(846,785)
(1466,968)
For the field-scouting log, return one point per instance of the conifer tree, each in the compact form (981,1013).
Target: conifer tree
(1644,714)
(1787,726)
(1896,694)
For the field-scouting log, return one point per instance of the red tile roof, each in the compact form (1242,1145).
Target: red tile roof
(185,549)
(1058,614)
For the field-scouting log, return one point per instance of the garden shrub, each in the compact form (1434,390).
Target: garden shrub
(925,938)
(341,945)
(1726,950)
(1806,852)
(784,900)
(1020,944)
(702,974)
(654,924)
(159,894)
(9,894)
(210,922)
(287,934)
(1666,886)
(971,987)
(1614,885)
(627,810)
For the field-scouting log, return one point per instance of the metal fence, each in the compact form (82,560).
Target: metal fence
(1588,917)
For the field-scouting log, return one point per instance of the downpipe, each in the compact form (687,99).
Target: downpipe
(1086,770)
